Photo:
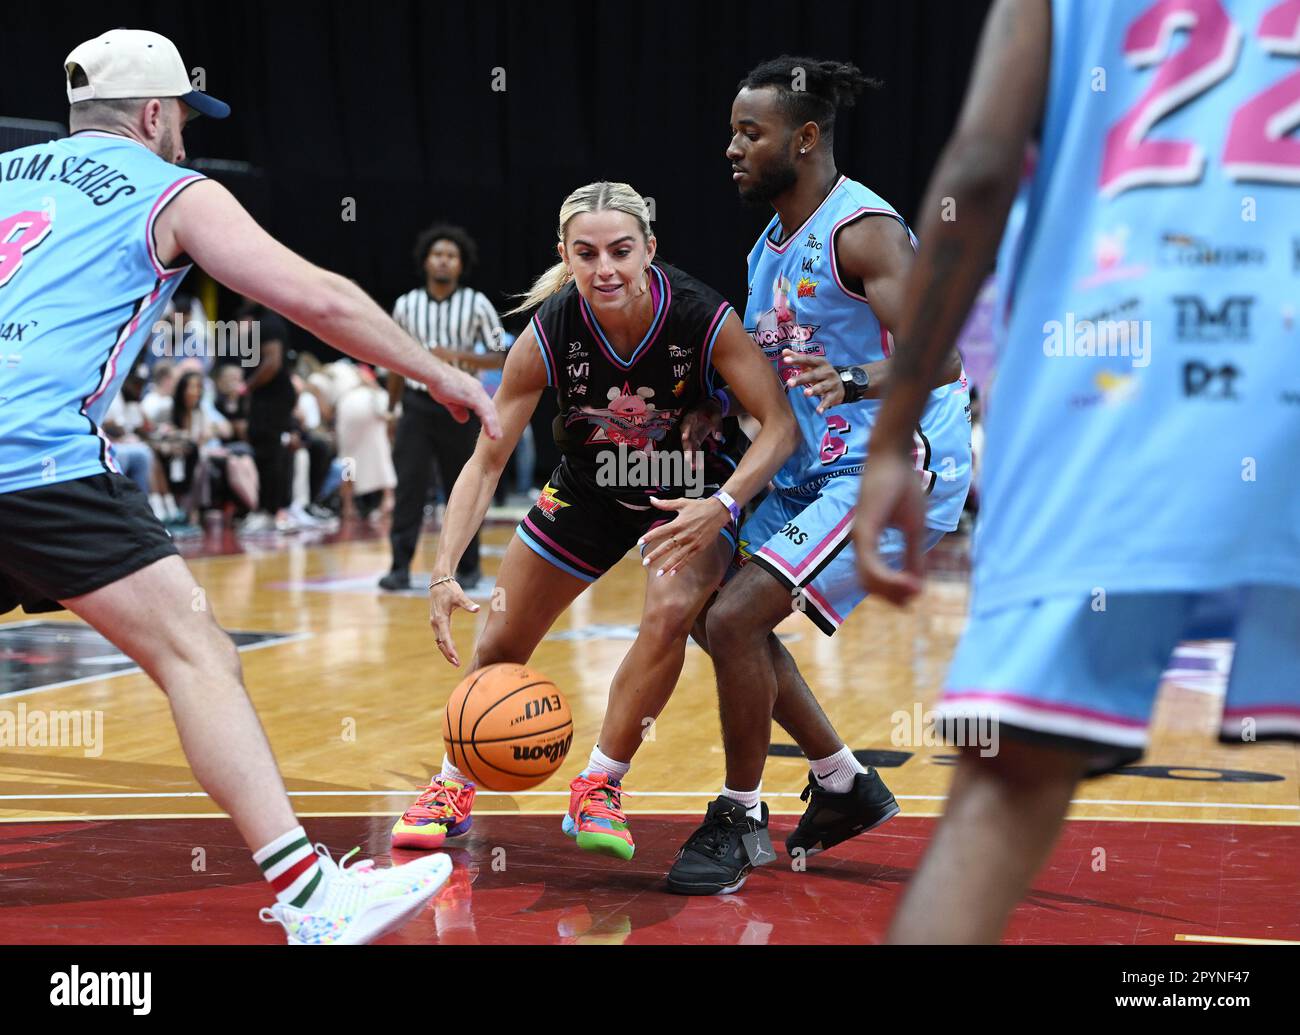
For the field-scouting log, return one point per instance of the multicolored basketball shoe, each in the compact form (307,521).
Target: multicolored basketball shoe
(361,903)
(595,818)
(441,811)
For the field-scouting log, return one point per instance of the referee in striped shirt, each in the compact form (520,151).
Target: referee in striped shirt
(451,321)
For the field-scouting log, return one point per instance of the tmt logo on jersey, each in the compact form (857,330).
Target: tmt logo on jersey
(548,503)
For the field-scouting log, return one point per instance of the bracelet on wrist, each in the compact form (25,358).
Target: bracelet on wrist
(440,580)
(733,508)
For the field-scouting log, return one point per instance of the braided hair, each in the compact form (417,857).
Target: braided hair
(810,89)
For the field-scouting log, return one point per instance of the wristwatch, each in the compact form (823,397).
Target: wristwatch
(856,381)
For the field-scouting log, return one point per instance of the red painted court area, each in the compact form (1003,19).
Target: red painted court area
(519,881)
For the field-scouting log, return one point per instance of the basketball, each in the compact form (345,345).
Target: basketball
(507,727)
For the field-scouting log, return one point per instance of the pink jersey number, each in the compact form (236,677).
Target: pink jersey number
(19,234)
(1258,147)
(1213,43)
(834,447)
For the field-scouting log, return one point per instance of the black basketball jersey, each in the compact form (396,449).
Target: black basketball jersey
(610,405)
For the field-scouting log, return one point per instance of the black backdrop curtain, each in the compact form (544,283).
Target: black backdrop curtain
(391,103)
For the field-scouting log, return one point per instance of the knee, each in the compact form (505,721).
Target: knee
(726,626)
(666,622)
(203,655)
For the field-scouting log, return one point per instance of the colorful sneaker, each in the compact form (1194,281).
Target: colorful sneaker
(441,811)
(595,817)
(360,902)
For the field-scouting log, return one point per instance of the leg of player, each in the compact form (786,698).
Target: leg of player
(758,681)
(1002,818)
(640,689)
(151,617)
(531,593)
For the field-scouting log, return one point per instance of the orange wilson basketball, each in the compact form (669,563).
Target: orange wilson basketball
(507,727)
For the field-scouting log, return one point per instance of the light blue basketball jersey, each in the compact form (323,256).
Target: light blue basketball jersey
(797,302)
(1143,426)
(80,290)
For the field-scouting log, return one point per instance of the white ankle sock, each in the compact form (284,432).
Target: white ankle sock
(836,773)
(599,762)
(450,772)
(750,799)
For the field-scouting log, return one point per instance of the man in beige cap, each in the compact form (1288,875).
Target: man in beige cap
(96,231)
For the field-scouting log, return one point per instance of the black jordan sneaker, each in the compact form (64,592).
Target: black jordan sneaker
(832,818)
(718,857)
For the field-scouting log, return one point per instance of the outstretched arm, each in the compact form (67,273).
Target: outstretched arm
(978,173)
(753,382)
(876,254)
(206,223)
(522,383)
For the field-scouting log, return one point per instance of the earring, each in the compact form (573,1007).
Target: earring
(803,150)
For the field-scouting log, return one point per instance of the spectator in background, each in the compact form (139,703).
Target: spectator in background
(361,426)
(122,424)
(271,401)
(230,402)
(311,460)
(187,445)
(156,404)
(460,326)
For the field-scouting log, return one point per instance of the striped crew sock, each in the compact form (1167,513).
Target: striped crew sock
(292,867)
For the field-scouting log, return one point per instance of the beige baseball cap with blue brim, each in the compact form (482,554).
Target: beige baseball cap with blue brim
(136,63)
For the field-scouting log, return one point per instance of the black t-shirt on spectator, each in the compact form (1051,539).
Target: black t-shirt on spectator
(270,407)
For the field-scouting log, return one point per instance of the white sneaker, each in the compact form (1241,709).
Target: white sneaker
(361,903)
(258,522)
(309,522)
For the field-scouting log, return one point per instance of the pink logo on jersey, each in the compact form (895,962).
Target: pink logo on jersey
(1108,252)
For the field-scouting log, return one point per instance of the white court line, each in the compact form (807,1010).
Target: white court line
(280,640)
(639,794)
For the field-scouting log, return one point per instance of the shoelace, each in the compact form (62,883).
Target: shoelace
(712,837)
(610,808)
(342,896)
(439,794)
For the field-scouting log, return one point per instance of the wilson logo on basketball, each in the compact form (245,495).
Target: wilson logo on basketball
(538,706)
(553,752)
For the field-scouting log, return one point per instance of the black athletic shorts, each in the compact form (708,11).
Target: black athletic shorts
(64,540)
(584,530)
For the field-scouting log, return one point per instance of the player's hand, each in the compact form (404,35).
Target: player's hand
(816,377)
(443,600)
(891,498)
(700,425)
(698,522)
(462,394)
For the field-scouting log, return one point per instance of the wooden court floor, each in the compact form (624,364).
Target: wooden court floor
(351,696)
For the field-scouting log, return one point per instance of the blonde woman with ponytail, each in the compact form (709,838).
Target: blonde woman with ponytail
(633,348)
